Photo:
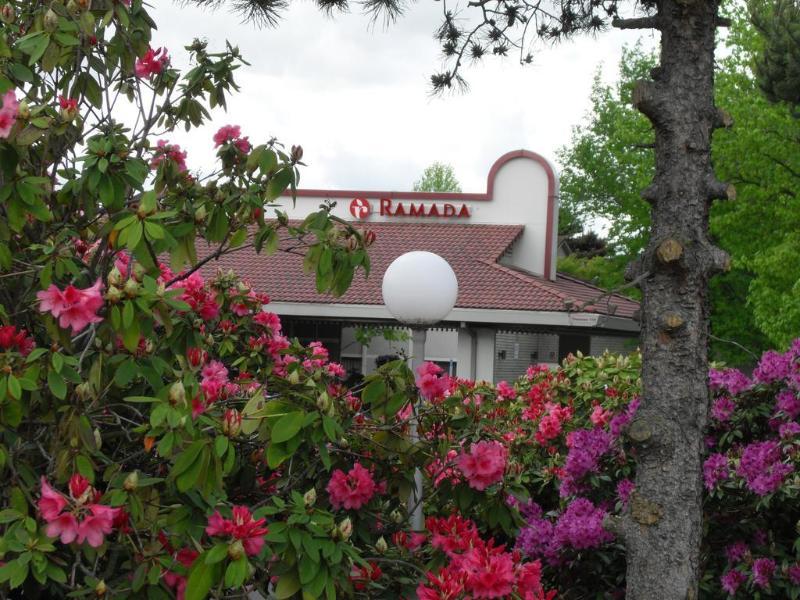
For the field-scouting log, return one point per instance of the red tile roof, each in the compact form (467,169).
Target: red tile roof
(472,250)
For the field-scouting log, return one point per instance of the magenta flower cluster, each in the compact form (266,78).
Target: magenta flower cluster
(761,467)
(586,448)
(579,527)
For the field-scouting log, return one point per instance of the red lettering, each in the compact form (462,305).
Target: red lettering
(386,207)
(400,211)
(433,211)
(464,212)
(449,210)
(416,210)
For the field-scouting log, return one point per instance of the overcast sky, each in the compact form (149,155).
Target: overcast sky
(357,97)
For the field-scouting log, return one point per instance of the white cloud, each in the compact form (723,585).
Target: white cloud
(357,97)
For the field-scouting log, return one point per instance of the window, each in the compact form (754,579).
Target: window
(570,343)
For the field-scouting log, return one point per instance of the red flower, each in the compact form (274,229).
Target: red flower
(73,307)
(11,338)
(352,490)
(241,527)
(152,63)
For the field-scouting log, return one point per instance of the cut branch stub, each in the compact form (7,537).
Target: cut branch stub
(669,251)
(672,321)
(720,260)
(639,431)
(653,22)
(650,193)
(643,98)
(723,119)
(718,190)
(645,512)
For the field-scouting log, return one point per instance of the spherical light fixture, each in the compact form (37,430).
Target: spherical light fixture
(419,288)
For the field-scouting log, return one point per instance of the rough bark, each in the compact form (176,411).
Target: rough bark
(663,527)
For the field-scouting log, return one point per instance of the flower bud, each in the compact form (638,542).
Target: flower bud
(73,8)
(381,546)
(293,377)
(131,481)
(7,14)
(114,277)
(83,390)
(200,214)
(98,438)
(23,110)
(232,422)
(236,550)
(131,288)
(310,497)
(114,294)
(346,529)
(397,516)
(139,271)
(84,5)
(297,153)
(323,402)
(100,589)
(50,20)
(177,394)
(369,238)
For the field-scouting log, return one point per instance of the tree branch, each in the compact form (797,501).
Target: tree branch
(653,22)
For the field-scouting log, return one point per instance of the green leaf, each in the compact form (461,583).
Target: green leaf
(217,554)
(125,373)
(279,182)
(236,573)
(56,384)
(288,585)
(14,388)
(375,391)
(201,577)
(287,426)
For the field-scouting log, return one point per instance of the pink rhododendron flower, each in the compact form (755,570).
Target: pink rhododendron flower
(8,113)
(446,585)
(72,307)
(202,301)
(624,490)
(505,391)
(452,535)
(489,571)
(484,464)
(241,527)
(600,416)
(152,63)
(431,382)
(232,134)
(166,151)
(78,519)
(351,490)
(269,320)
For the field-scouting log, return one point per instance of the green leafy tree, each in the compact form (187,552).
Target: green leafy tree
(609,157)
(437,177)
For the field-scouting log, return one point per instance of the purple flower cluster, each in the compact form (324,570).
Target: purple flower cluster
(794,574)
(736,551)
(618,422)
(789,430)
(715,470)
(625,488)
(763,570)
(579,527)
(788,402)
(732,381)
(762,468)
(722,409)
(732,580)
(773,366)
(586,447)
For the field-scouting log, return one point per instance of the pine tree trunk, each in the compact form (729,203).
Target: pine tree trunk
(663,527)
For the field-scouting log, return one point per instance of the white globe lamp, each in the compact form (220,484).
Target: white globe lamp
(419,288)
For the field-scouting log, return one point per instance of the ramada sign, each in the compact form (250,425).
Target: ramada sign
(361,208)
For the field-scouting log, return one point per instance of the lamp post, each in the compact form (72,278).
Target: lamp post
(419,289)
